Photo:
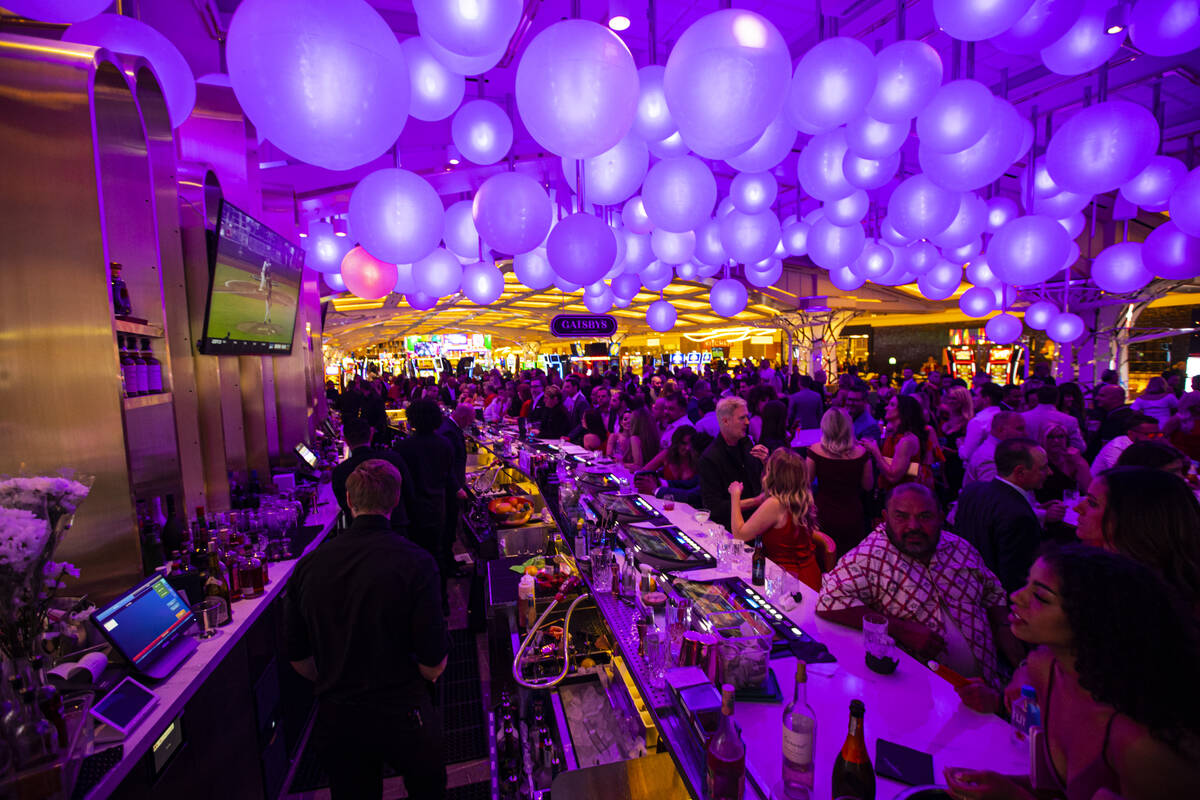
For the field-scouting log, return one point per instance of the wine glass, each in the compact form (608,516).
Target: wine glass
(701,515)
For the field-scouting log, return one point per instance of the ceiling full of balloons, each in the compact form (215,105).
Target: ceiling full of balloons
(886,164)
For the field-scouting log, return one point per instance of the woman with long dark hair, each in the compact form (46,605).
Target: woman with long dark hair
(1114,667)
(773,428)
(906,453)
(1151,516)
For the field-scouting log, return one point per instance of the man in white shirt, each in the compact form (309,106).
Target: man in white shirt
(672,413)
(989,400)
(1141,427)
(1045,413)
(982,464)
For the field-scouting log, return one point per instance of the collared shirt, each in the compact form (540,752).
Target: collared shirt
(978,429)
(877,575)
(366,606)
(866,426)
(982,464)
(1108,455)
(1024,493)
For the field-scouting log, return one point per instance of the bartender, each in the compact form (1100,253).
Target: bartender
(363,625)
(731,458)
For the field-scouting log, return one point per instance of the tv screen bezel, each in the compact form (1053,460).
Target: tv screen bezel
(242,347)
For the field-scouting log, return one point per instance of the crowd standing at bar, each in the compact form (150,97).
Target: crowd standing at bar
(1039,535)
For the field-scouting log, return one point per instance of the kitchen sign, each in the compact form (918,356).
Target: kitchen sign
(580,326)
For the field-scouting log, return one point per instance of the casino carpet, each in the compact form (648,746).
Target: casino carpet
(462,712)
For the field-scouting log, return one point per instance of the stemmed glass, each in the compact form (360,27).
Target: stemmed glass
(701,516)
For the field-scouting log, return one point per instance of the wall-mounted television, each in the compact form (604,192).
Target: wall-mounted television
(254,288)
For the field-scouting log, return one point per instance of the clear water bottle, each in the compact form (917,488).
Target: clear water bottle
(1026,713)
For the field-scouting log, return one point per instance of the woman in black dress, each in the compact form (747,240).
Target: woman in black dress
(841,471)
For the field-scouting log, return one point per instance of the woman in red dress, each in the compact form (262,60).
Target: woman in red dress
(786,520)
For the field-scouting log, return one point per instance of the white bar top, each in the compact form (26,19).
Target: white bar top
(182,685)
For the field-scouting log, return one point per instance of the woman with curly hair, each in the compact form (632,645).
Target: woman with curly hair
(786,520)
(907,451)
(1114,673)
(1151,516)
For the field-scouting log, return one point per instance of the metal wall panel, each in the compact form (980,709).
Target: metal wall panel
(60,383)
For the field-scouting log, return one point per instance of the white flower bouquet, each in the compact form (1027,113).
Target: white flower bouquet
(35,513)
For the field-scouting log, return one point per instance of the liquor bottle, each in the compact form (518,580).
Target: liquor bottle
(216,583)
(799,740)
(120,292)
(253,491)
(199,554)
(200,525)
(250,577)
(726,757)
(140,370)
(154,381)
(758,563)
(185,579)
(149,535)
(173,533)
(853,775)
(128,368)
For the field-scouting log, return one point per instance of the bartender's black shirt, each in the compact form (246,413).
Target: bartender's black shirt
(721,465)
(405,509)
(367,607)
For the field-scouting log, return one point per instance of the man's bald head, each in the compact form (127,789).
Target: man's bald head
(1008,425)
(1110,397)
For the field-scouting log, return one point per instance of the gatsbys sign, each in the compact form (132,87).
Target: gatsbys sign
(576,326)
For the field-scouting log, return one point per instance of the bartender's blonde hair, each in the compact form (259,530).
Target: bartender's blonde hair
(786,479)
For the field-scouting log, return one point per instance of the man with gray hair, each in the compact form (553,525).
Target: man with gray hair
(731,457)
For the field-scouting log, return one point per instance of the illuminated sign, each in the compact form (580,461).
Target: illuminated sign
(574,326)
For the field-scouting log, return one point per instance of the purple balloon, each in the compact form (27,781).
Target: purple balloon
(653,119)
(533,269)
(889,234)
(463,65)
(765,273)
(325,249)
(1003,329)
(59,11)
(1039,315)
(919,208)
(334,281)
(963,253)
(460,235)
(749,238)
(421,301)
(470,29)
(671,147)
(600,302)
(967,225)
(848,210)
(910,71)
(976,20)
(941,281)
(581,248)
(660,316)
(819,167)
(482,283)
(438,274)
(679,193)
(1102,147)
(397,215)
(795,237)
(922,257)
(1170,253)
(638,253)
(834,80)
(435,90)
(577,88)
(1001,211)
(726,79)
(843,278)
(481,131)
(983,162)
(831,246)
(870,138)
(613,176)
(1028,250)
(1152,187)
(673,248)
(753,192)
(958,116)
(867,173)
(657,276)
(1165,27)
(512,212)
(978,301)
(1065,328)
(127,35)
(1086,45)
(634,215)
(1119,268)
(709,250)
(323,80)
(1185,204)
(770,149)
(874,262)
(626,286)
(1043,24)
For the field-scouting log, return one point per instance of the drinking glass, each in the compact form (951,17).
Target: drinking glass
(774,582)
(208,613)
(656,647)
(726,554)
(880,648)
(601,569)
(701,516)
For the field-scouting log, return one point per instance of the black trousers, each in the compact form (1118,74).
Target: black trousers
(354,741)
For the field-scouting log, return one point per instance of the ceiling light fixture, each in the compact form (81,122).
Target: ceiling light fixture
(340,228)
(453,157)
(618,14)
(1117,18)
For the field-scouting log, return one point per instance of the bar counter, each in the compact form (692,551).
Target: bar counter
(228,695)
(912,706)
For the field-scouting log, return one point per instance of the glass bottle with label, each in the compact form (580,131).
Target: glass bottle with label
(216,582)
(154,381)
(250,576)
(726,756)
(122,307)
(128,368)
(853,775)
(758,563)
(799,740)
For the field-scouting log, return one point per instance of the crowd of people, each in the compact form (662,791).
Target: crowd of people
(1017,534)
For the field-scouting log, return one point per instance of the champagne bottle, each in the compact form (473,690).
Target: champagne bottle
(799,740)
(758,563)
(853,775)
(726,756)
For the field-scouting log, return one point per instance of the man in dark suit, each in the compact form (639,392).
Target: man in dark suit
(1000,517)
(451,429)
(805,406)
(357,434)
(431,461)
(731,458)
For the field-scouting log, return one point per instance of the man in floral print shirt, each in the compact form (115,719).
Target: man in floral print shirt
(941,601)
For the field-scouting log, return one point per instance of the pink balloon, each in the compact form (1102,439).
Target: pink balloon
(367,276)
